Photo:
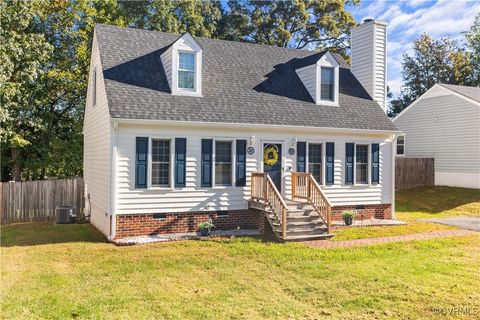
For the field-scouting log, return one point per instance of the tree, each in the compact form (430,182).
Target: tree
(295,24)
(199,18)
(473,44)
(45,54)
(46,45)
(23,51)
(432,61)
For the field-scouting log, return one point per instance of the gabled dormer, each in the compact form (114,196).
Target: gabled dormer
(321,79)
(182,62)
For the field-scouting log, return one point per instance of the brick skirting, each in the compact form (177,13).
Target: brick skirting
(130,225)
(377,211)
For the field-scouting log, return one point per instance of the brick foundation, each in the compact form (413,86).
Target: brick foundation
(131,225)
(377,211)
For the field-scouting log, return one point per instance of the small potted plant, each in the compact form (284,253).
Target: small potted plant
(348,217)
(205,228)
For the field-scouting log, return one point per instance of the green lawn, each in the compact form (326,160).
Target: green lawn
(437,202)
(59,272)
(421,203)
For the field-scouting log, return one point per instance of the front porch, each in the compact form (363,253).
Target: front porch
(305,216)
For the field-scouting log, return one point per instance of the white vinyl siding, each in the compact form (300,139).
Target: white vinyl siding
(96,151)
(194,197)
(368,59)
(166,58)
(94,87)
(309,80)
(445,127)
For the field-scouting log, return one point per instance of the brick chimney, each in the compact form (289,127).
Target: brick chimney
(369,58)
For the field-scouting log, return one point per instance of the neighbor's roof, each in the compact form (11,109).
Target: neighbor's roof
(241,83)
(469,92)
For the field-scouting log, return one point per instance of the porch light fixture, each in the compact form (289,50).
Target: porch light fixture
(294,142)
(252,141)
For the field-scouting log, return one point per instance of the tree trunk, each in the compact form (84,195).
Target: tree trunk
(16,165)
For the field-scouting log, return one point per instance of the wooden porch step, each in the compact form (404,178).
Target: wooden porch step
(300,211)
(303,230)
(297,223)
(298,218)
(323,236)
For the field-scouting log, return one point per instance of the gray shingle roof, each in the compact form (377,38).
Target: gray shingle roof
(469,92)
(241,83)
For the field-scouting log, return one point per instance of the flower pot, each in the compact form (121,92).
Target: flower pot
(205,232)
(348,221)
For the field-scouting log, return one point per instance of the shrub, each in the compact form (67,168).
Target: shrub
(208,225)
(348,214)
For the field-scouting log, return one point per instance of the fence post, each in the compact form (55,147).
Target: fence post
(25,201)
(414,172)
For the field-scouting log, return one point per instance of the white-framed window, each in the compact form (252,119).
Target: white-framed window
(223,163)
(161,162)
(186,70)
(401,145)
(94,87)
(327,83)
(315,156)
(361,163)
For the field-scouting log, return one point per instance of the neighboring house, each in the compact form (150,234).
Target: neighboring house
(444,123)
(176,127)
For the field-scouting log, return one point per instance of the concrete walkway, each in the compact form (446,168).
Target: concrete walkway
(468,223)
(370,241)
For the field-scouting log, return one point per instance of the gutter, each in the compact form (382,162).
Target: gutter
(249,126)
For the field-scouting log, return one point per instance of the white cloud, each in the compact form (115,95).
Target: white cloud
(407,20)
(444,18)
(416,3)
(372,10)
(395,85)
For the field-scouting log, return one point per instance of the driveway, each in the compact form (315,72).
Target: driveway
(468,223)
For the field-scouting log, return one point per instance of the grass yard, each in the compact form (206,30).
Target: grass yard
(232,279)
(60,272)
(421,203)
(437,202)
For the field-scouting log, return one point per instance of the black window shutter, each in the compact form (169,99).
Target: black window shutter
(241,171)
(207,162)
(141,161)
(301,156)
(349,150)
(330,160)
(375,162)
(180,161)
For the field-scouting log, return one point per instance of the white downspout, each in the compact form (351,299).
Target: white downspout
(113,176)
(394,153)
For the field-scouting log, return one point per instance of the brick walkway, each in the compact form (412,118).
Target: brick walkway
(327,244)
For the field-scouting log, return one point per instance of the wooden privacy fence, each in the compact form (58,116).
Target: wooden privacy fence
(24,201)
(414,172)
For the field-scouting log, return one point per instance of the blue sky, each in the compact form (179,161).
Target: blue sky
(409,18)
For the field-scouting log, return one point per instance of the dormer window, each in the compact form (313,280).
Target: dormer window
(182,63)
(321,79)
(186,70)
(327,78)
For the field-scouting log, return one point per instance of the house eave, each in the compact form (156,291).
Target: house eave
(249,126)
